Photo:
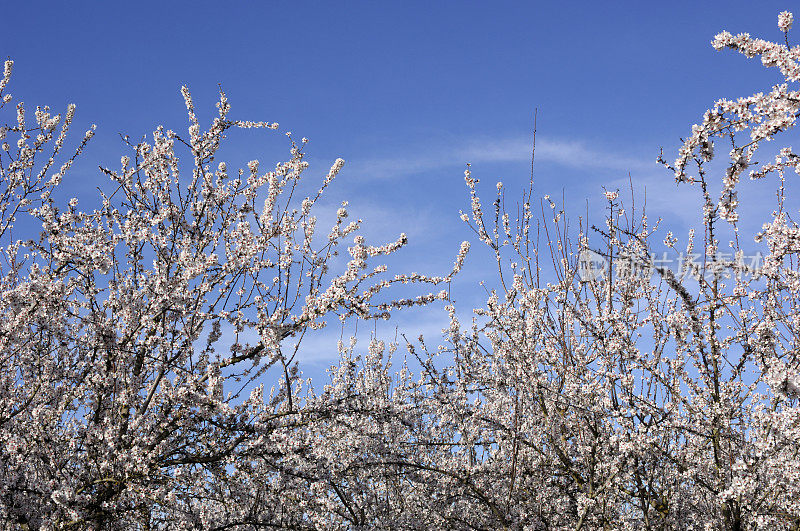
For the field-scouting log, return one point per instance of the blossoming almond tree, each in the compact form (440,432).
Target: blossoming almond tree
(120,404)
(617,400)
(613,401)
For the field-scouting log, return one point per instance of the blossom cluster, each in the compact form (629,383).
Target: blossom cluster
(136,340)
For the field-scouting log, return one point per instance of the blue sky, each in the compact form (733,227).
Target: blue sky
(406,92)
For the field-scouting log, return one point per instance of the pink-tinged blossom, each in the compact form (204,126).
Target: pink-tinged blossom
(785,19)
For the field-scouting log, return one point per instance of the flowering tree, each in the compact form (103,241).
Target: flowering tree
(131,399)
(119,409)
(624,400)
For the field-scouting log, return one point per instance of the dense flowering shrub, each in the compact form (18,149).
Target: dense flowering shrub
(613,400)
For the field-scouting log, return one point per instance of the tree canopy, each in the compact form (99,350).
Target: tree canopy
(597,387)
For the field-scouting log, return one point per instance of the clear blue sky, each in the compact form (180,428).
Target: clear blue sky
(406,92)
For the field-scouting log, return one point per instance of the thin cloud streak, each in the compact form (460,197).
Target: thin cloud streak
(567,153)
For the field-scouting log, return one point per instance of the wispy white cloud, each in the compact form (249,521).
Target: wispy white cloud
(319,347)
(568,153)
